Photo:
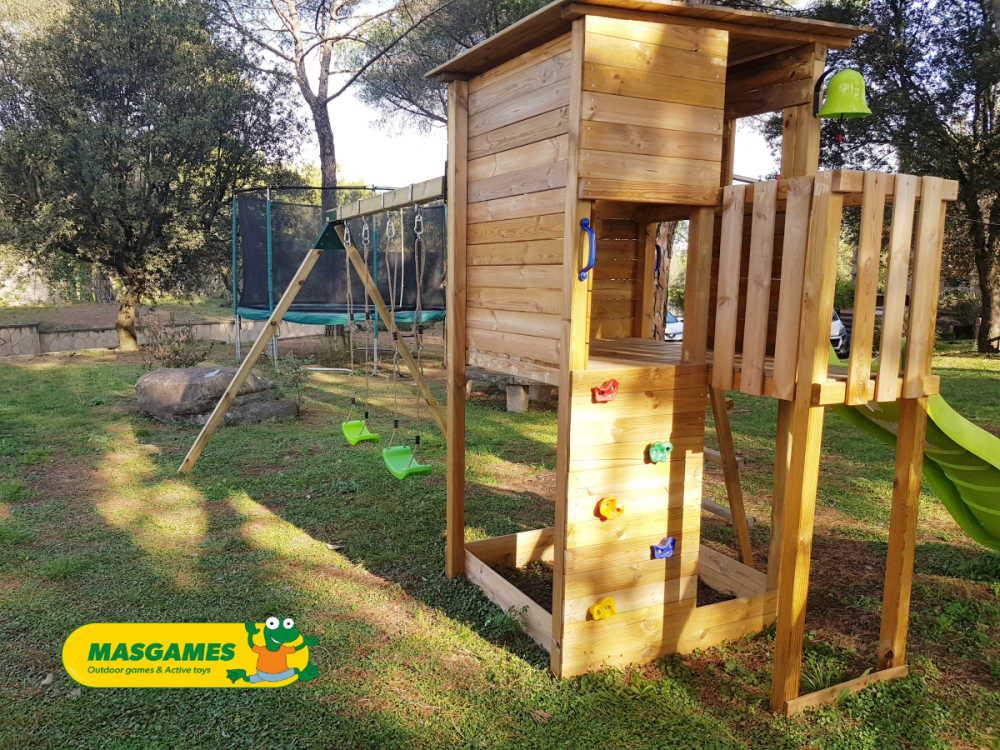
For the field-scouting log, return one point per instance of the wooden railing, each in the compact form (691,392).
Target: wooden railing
(764,246)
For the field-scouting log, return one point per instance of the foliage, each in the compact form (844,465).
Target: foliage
(170,345)
(122,131)
(933,75)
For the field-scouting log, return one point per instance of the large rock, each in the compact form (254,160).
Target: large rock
(190,394)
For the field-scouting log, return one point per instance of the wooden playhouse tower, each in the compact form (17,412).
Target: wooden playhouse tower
(620,114)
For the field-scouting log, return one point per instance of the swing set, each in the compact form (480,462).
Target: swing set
(368,323)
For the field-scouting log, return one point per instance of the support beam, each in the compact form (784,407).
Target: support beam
(243,372)
(731,473)
(902,532)
(836,692)
(458,146)
(800,483)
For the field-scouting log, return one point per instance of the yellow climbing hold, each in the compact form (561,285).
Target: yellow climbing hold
(609,508)
(602,609)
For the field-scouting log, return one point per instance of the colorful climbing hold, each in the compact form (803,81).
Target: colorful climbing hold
(605,393)
(602,609)
(608,508)
(659,452)
(664,549)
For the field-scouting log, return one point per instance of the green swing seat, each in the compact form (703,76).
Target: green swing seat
(356,431)
(401,464)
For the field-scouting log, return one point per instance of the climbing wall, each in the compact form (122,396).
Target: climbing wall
(623,501)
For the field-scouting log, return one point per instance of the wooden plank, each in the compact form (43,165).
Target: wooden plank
(696,294)
(388,320)
(538,154)
(641,191)
(902,532)
(926,279)
(731,473)
(642,168)
(516,277)
(650,141)
(625,542)
(661,87)
(420,192)
(594,583)
(684,400)
(545,227)
(638,597)
(834,693)
(782,456)
(520,369)
(267,332)
(524,106)
(628,110)
(868,268)
(795,64)
(793,255)
(511,67)
(514,84)
(633,378)
(646,297)
(801,130)
(709,41)
(611,430)
(758,288)
(727,296)
(574,338)
(514,550)
(896,287)
(539,127)
(531,324)
(515,345)
(774,97)
(729,576)
(455,291)
(537,252)
(637,55)
(806,427)
(530,180)
(517,206)
(548,301)
(533,619)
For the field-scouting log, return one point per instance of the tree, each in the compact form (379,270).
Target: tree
(932,70)
(325,46)
(395,84)
(123,129)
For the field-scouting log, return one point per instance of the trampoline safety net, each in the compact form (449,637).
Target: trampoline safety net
(265,268)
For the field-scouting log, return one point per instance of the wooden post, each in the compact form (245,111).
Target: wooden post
(799,158)
(574,334)
(458,146)
(644,322)
(800,483)
(244,370)
(902,532)
(731,472)
(697,285)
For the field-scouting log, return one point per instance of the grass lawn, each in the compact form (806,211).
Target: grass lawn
(96,526)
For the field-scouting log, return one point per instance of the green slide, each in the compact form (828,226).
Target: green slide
(961,463)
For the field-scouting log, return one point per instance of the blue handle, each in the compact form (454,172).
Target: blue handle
(585,271)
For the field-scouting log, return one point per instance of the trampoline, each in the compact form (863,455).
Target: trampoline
(274,228)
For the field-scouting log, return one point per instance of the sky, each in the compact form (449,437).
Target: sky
(395,157)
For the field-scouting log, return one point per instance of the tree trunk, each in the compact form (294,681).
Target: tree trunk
(984,252)
(128,316)
(327,153)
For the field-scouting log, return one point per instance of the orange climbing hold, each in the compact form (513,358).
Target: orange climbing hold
(608,508)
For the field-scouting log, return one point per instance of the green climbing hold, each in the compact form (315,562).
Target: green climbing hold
(659,453)
(401,464)
(356,431)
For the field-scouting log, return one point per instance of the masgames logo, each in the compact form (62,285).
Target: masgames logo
(272,653)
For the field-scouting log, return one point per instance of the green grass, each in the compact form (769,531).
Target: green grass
(95,526)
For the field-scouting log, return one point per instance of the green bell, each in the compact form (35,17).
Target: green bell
(845,96)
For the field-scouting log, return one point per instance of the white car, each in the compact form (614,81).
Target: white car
(840,337)
(673,329)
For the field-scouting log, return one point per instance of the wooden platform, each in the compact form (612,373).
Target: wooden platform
(632,352)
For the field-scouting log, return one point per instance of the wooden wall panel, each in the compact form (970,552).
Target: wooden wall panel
(517,172)
(652,112)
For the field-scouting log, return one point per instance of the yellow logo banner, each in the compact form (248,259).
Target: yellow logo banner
(272,653)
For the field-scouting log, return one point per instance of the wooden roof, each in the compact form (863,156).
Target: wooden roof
(751,33)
